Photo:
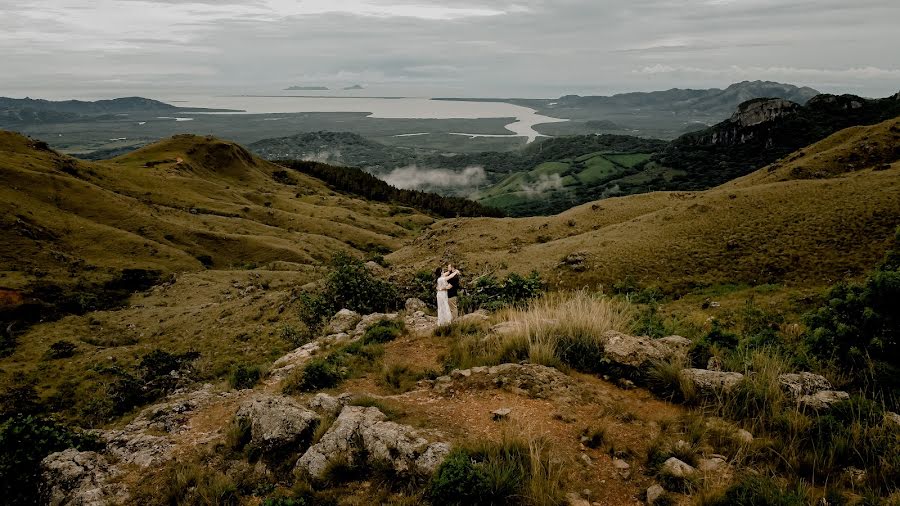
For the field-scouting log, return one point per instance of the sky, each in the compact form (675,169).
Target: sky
(464,48)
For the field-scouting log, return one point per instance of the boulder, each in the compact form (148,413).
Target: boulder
(892,418)
(500,414)
(475,318)
(361,436)
(633,356)
(677,469)
(822,400)
(654,492)
(412,305)
(72,477)
(286,364)
(344,320)
(574,499)
(328,405)
(419,322)
(713,464)
(796,385)
(622,467)
(506,328)
(712,382)
(276,423)
(370,319)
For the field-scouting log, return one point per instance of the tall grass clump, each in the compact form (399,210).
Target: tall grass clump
(515,470)
(565,327)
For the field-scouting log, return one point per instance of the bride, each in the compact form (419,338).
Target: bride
(443,303)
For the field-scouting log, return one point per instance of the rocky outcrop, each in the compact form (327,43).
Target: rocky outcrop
(77,478)
(675,468)
(529,380)
(328,405)
(420,323)
(632,357)
(368,320)
(283,367)
(362,437)
(412,305)
(83,477)
(480,316)
(708,383)
(344,320)
(276,423)
(754,112)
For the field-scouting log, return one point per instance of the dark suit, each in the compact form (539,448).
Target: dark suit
(451,294)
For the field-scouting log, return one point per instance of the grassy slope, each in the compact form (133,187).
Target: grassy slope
(757,230)
(64,217)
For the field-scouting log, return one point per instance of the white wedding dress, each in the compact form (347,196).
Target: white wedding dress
(443,302)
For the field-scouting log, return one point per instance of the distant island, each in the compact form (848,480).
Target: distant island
(354,87)
(306,88)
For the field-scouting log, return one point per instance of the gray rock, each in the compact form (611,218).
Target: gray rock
(633,356)
(362,436)
(796,385)
(712,382)
(286,364)
(654,492)
(892,418)
(744,436)
(506,328)
(500,414)
(475,318)
(276,423)
(822,400)
(328,405)
(574,499)
(75,478)
(370,319)
(623,468)
(344,320)
(677,469)
(712,464)
(412,305)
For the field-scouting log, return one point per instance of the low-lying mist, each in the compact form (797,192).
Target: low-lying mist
(413,177)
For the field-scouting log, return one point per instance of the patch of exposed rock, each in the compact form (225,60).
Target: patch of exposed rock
(367,321)
(72,477)
(412,305)
(344,320)
(361,436)
(75,477)
(633,356)
(708,382)
(276,423)
(329,405)
(420,323)
(796,385)
(822,400)
(676,468)
(530,380)
(283,367)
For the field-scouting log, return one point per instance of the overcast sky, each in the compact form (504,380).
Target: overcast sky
(538,48)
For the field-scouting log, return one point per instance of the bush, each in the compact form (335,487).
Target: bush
(383,331)
(244,376)
(186,483)
(294,337)
(349,285)
(24,442)
(400,378)
(61,349)
(487,292)
(512,471)
(319,373)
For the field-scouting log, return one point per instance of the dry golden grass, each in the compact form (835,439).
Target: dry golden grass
(808,232)
(147,209)
(563,327)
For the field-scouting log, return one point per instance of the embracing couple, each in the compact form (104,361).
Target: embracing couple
(448,281)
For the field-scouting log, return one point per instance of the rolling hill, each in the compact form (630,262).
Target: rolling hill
(183,204)
(808,226)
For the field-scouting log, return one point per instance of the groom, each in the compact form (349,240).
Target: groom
(452,292)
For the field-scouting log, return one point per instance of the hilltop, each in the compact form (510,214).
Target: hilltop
(26,111)
(808,227)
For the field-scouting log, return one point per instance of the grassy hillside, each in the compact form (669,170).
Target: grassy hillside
(809,229)
(183,204)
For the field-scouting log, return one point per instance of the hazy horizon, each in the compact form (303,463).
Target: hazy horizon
(422,48)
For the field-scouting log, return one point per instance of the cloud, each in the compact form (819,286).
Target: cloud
(464,48)
(413,177)
(543,185)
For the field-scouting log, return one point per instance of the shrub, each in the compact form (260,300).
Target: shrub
(487,292)
(400,378)
(319,373)
(383,331)
(186,483)
(514,470)
(244,376)
(24,442)
(350,285)
(293,336)
(61,349)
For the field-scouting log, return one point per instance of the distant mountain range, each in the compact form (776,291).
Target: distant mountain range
(18,111)
(306,88)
